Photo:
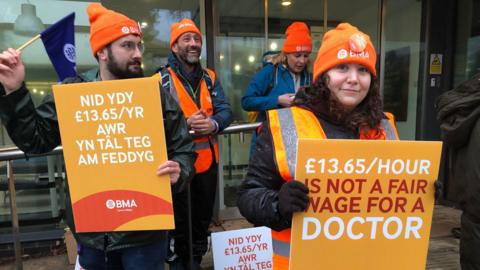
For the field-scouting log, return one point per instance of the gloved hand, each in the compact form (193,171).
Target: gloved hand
(292,198)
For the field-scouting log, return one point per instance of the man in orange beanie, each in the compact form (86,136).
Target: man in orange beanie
(201,97)
(116,42)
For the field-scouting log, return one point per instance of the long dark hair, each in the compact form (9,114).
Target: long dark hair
(367,115)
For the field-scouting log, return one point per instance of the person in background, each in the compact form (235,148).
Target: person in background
(343,102)
(201,97)
(459,116)
(116,43)
(275,85)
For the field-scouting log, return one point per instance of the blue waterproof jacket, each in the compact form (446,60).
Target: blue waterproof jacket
(255,98)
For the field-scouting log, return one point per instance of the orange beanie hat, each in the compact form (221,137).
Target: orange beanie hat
(184,26)
(297,38)
(345,44)
(107,26)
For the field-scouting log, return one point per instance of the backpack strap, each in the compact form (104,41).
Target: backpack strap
(273,81)
(209,77)
(164,77)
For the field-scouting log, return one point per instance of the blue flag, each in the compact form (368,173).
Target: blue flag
(59,41)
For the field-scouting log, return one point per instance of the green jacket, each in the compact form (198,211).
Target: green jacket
(35,130)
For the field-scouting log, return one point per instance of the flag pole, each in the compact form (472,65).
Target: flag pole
(29,42)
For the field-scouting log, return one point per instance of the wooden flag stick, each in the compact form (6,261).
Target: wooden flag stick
(28,42)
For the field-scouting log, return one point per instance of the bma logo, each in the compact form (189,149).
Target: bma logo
(302,48)
(69,52)
(134,30)
(185,25)
(125,30)
(121,204)
(342,54)
(363,54)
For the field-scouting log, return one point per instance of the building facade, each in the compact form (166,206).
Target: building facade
(424,48)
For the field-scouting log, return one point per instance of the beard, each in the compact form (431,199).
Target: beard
(132,69)
(188,58)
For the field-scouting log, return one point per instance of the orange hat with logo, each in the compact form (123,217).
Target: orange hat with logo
(107,26)
(297,38)
(184,26)
(345,44)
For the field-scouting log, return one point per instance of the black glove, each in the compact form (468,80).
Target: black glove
(292,198)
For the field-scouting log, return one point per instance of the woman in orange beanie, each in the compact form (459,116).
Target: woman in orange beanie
(343,102)
(275,85)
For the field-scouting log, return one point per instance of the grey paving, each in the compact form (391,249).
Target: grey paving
(442,253)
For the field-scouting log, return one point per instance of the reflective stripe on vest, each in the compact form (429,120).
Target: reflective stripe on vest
(286,126)
(189,107)
(282,123)
(281,248)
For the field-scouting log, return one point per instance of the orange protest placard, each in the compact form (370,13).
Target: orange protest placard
(370,207)
(113,140)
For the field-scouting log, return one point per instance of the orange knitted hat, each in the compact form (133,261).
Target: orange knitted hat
(345,44)
(107,26)
(184,26)
(297,38)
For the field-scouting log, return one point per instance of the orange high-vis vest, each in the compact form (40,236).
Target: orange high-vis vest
(203,144)
(286,126)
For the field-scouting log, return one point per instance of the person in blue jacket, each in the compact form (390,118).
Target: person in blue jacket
(275,85)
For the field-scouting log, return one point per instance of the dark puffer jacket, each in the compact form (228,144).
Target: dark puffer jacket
(258,193)
(459,113)
(35,130)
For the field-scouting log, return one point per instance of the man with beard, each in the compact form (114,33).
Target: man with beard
(203,102)
(116,42)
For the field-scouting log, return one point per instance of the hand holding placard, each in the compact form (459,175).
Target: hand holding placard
(292,198)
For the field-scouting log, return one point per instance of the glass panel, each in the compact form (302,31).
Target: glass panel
(281,16)
(234,161)
(240,45)
(156,17)
(39,71)
(362,14)
(467,48)
(402,62)
(40,189)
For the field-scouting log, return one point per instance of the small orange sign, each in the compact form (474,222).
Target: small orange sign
(113,141)
(370,207)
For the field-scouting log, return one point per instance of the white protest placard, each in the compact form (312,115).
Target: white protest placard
(246,249)
(78,266)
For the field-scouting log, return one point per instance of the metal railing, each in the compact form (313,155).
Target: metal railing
(13,153)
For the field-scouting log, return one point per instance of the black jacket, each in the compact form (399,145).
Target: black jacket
(35,130)
(459,115)
(258,193)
